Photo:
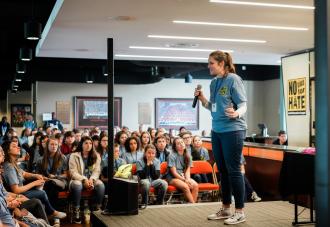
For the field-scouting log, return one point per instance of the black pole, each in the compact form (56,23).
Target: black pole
(322,109)
(110,117)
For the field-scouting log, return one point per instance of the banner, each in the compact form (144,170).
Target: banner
(296,96)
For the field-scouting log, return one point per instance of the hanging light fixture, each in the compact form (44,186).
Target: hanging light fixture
(25,54)
(105,70)
(89,78)
(32,30)
(18,77)
(20,67)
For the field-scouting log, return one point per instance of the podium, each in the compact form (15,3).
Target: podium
(123,197)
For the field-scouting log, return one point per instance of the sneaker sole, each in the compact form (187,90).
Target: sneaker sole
(219,218)
(235,223)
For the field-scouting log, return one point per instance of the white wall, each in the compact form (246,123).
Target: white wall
(48,93)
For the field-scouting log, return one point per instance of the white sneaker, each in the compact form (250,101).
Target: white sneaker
(223,213)
(255,197)
(238,217)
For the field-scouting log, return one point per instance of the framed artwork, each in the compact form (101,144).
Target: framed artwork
(90,112)
(172,113)
(18,113)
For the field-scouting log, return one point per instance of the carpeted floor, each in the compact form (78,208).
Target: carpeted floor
(261,214)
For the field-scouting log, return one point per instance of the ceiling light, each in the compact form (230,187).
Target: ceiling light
(20,67)
(105,70)
(240,25)
(160,57)
(89,79)
(25,54)
(206,39)
(263,4)
(32,30)
(173,48)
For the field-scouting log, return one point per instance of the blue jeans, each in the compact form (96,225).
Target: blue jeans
(159,185)
(227,150)
(76,187)
(42,196)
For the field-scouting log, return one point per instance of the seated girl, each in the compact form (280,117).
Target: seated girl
(85,169)
(53,165)
(178,171)
(133,153)
(148,171)
(199,153)
(15,177)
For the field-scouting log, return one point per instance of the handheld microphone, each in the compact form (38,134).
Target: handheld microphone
(196,97)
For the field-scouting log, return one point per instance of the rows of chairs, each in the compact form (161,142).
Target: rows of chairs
(198,167)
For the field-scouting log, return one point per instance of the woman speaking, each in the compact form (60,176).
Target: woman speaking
(227,105)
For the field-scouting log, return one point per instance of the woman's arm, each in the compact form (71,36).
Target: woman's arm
(187,173)
(21,189)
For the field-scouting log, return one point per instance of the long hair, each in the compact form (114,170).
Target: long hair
(57,159)
(220,56)
(142,134)
(92,155)
(128,148)
(8,158)
(118,135)
(185,153)
(99,149)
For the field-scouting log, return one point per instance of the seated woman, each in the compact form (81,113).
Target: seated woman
(199,153)
(145,140)
(15,177)
(67,144)
(133,153)
(22,159)
(178,171)
(148,171)
(53,165)
(121,138)
(85,169)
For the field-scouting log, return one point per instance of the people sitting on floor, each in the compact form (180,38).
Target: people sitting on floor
(85,169)
(178,171)
(148,171)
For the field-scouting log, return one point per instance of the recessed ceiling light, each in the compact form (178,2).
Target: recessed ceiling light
(240,25)
(206,39)
(177,49)
(159,57)
(263,4)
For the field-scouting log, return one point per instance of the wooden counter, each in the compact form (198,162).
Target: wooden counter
(263,166)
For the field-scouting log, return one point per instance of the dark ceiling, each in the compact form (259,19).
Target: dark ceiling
(15,12)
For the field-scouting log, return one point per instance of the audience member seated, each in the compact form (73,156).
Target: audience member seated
(199,153)
(14,178)
(148,171)
(29,122)
(53,166)
(133,153)
(161,152)
(152,133)
(85,169)
(145,140)
(178,171)
(282,138)
(68,142)
(121,138)
(186,136)
(4,128)
(249,191)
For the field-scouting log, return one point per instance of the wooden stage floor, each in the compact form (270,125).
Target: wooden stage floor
(260,214)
